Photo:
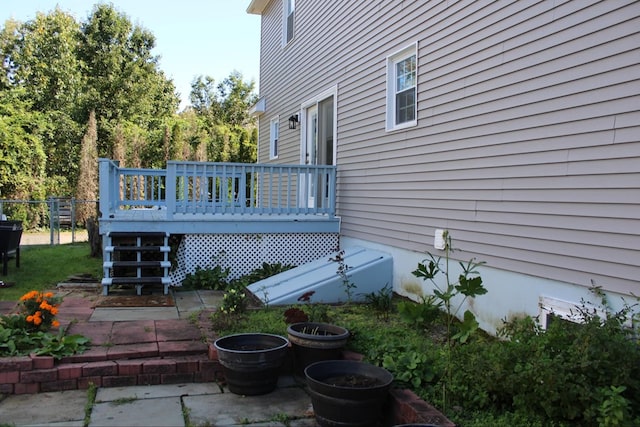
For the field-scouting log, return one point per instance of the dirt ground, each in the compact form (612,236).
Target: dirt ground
(44,238)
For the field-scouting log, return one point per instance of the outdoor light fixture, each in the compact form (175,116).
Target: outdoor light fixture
(293,120)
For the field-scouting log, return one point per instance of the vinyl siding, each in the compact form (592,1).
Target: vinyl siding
(528,139)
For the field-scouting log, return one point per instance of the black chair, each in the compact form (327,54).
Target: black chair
(10,235)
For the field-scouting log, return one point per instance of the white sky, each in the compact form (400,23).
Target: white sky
(193,37)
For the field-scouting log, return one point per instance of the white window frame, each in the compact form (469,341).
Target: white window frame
(274,137)
(288,21)
(565,310)
(397,57)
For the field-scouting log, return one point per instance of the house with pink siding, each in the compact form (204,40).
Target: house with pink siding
(514,125)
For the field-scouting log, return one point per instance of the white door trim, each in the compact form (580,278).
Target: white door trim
(332,91)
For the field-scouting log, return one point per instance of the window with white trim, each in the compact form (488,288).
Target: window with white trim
(402,86)
(274,135)
(289,8)
(552,309)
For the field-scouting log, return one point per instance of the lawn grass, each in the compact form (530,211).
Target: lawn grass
(44,266)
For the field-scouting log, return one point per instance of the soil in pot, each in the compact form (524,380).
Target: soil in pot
(314,342)
(353,380)
(251,362)
(347,392)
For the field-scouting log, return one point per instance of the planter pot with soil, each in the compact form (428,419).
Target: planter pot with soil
(251,362)
(314,342)
(347,392)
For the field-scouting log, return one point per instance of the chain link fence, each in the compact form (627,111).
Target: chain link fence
(55,214)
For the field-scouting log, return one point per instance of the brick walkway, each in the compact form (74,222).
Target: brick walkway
(122,353)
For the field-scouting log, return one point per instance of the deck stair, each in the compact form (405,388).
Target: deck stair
(136,259)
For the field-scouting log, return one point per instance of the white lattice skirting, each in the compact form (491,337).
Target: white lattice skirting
(245,252)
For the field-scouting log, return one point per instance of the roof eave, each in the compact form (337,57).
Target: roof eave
(256,7)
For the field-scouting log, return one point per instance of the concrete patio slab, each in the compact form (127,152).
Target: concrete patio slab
(188,302)
(156,391)
(133,313)
(229,409)
(64,408)
(160,412)
(211,299)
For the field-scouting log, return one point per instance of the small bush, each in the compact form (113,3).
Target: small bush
(234,300)
(266,270)
(419,314)
(215,278)
(584,373)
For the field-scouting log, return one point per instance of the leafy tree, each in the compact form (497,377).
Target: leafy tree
(47,62)
(87,189)
(123,79)
(8,40)
(42,56)
(224,114)
(236,97)
(203,96)
(22,158)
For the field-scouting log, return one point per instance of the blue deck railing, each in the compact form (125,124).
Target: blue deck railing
(217,189)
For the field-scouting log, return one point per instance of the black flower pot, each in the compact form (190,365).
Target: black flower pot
(251,362)
(314,342)
(347,392)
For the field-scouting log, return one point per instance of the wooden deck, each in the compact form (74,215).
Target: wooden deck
(213,198)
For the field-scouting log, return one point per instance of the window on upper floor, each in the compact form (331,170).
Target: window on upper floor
(274,135)
(402,85)
(289,8)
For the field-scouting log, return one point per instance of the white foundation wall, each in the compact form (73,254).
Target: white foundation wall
(509,295)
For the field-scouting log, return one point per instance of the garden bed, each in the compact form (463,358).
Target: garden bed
(492,381)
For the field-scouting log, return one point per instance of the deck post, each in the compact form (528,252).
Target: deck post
(170,194)
(107,186)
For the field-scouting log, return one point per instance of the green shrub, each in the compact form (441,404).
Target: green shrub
(215,278)
(584,373)
(411,368)
(234,300)
(419,314)
(266,270)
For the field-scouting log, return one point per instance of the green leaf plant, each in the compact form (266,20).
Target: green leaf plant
(452,294)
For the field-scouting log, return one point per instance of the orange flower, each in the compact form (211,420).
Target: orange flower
(54,310)
(55,323)
(30,319)
(29,295)
(48,295)
(37,321)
